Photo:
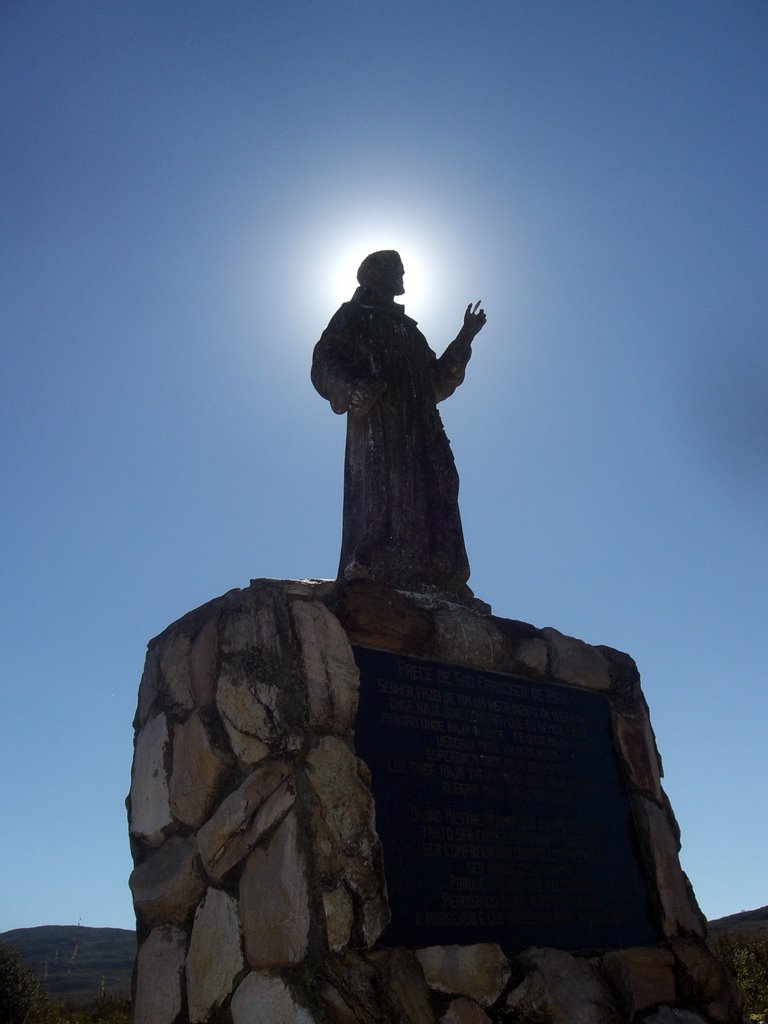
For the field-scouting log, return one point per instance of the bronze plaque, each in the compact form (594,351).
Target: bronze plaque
(501,809)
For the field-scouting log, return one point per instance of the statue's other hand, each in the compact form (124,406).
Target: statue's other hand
(474,320)
(364,395)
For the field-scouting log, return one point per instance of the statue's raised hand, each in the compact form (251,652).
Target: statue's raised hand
(474,321)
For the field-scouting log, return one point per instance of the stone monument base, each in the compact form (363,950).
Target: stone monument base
(352,805)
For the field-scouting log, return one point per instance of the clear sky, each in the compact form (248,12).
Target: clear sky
(186,189)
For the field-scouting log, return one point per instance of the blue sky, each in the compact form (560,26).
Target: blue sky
(185,192)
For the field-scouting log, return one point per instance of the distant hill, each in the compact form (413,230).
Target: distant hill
(749,925)
(74,962)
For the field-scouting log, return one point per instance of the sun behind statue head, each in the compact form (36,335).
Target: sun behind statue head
(382,272)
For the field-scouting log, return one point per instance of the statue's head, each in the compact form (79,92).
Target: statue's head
(382,272)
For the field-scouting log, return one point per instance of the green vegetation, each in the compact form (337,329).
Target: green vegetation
(747,958)
(104,1010)
(18,987)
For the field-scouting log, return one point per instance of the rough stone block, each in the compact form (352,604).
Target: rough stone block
(669,1015)
(463,637)
(344,837)
(531,657)
(203,663)
(480,971)
(569,989)
(215,956)
(464,1011)
(381,617)
(249,712)
(262,998)
(149,799)
(626,690)
(573,661)
(274,900)
(401,977)
(174,673)
(388,987)
(159,977)
(169,883)
(336,1007)
(198,771)
(330,672)
(149,688)
(241,821)
(641,977)
(680,914)
(638,749)
(339,918)
(524,650)
(250,637)
(706,982)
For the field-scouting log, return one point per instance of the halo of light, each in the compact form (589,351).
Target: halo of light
(337,261)
(319,240)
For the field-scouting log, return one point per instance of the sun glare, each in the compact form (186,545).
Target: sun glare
(341,277)
(337,250)
(313,267)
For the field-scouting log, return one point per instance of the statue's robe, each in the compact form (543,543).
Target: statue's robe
(401,514)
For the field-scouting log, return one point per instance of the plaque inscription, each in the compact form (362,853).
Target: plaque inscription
(500,807)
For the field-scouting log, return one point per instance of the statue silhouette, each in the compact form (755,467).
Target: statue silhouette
(401,521)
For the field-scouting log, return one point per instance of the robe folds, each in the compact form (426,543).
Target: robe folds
(401,522)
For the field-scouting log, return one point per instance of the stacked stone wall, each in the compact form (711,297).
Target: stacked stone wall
(258,883)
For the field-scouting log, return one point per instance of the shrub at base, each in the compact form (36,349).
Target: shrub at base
(19,993)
